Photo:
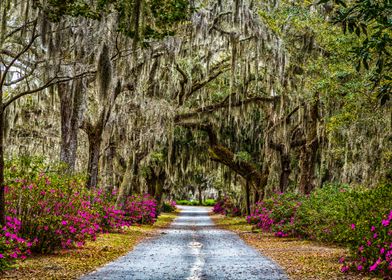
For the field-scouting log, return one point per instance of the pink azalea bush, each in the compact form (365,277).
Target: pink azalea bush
(55,212)
(141,209)
(372,249)
(12,246)
(48,212)
(227,207)
(276,214)
(359,218)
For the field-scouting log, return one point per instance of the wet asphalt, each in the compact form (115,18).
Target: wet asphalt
(192,248)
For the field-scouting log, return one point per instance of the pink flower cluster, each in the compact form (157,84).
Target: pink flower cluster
(12,246)
(140,209)
(261,217)
(226,207)
(49,213)
(374,251)
(276,215)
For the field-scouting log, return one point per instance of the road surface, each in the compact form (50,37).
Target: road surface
(191,248)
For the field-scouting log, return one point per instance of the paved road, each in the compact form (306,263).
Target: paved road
(192,248)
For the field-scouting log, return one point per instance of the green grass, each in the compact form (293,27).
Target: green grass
(207,202)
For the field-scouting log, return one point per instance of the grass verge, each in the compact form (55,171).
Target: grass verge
(300,259)
(72,264)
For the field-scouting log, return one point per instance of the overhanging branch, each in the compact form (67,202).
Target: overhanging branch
(225,104)
(52,81)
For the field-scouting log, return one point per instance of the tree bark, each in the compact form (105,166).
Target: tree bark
(285,172)
(128,184)
(200,196)
(159,183)
(2,183)
(285,169)
(308,152)
(94,140)
(151,183)
(71,104)
(247,197)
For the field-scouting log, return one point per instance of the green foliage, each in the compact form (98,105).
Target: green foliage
(168,206)
(56,9)
(136,19)
(370,20)
(244,156)
(187,202)
(328,212)
(207,202)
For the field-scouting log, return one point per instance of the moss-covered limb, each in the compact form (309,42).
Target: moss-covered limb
(222,154)
(247,170)
(72,264)
(217,70)
(224,105)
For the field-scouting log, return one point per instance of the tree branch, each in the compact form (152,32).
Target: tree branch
(50,82)
(22,77)
(25,49)
(221,154)
(224,104)
(200,84)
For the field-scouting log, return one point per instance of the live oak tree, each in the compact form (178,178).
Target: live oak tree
(259,95)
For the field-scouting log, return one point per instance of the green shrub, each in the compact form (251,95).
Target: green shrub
(358,218)
(226,206)
(168,206)
(209,202)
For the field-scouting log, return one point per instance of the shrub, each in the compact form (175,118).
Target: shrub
(325,214)
(55,212)
(276,214)
(187,202)
(141,209)
(12,246)
(48,212)
(355,217)
(209,202)
(226,207)
(370,230)
(372,249)
(110,217)
(169,206)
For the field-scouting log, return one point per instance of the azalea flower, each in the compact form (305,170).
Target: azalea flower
(385,223)
(344,268)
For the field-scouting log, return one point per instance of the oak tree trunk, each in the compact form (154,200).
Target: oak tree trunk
(94,140)
(285,172)
(247,197)
(2,184)
(308,152)
(71,106)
